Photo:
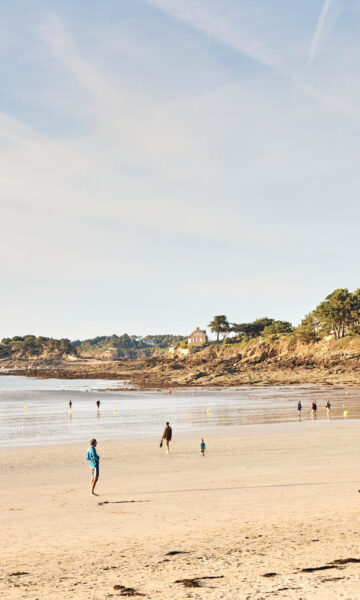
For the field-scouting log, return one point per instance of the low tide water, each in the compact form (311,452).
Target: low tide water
(35,411)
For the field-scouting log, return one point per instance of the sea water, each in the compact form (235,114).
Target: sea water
(35,411)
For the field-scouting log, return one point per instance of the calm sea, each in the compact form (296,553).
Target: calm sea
(35,411)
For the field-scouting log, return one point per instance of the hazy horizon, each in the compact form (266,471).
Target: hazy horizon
(163,162)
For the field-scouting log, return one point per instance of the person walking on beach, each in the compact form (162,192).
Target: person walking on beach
(202,447)
(314,408)
(94,459)
(299,408)
(70,405)
(98,406)
(328,406)
(167,435)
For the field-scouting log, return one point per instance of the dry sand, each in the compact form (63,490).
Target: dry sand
(264,500)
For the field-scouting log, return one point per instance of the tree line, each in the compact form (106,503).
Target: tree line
(337,315)
(126,345)
(31,346)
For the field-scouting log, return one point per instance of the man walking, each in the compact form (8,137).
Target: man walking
(167,435)
(94,459)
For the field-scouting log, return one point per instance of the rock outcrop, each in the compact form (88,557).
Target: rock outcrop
(257,362)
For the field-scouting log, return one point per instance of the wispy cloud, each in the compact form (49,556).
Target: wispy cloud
(62,47)
(326,100)
(173,171)
(208,19)
(222,29)
(319,30)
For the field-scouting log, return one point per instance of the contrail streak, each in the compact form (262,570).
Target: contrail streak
(319,29)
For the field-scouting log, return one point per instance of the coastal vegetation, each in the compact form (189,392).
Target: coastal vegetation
(30,346)
(336,317)
(124,346)
(113,346)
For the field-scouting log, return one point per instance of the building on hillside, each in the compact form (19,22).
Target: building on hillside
(149,342)
(198,337)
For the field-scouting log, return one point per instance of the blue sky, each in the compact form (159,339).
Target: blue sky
(163,161)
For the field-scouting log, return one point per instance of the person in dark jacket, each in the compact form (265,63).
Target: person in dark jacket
(167,435)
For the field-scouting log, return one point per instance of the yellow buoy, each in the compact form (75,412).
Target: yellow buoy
(26,407)
(115,410)
(208,411)
(345,413)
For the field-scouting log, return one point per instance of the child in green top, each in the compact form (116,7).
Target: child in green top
(202,447)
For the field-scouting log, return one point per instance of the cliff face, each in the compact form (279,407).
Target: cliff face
(278,362)
(257,362)
(260,362)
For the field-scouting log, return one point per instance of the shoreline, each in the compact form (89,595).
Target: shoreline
(33,417)
(277,378)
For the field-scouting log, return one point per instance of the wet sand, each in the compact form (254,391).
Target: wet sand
(125,415)
(264,504)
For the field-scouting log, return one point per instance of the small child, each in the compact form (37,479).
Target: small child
(94,459)
(202,447)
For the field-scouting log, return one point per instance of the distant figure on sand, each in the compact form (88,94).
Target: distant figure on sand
(202,447)
(98,406)
(70,405)
(314,408)
(94,459)
(167,435)
(328,406)
(299,408)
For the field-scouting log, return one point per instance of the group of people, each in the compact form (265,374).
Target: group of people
(97,405)
(314,407)
(93,457)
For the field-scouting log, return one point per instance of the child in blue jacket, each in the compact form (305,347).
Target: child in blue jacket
(94,459)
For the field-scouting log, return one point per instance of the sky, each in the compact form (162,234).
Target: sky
(164,161)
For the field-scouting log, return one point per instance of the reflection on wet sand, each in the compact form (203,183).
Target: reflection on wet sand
(50,417)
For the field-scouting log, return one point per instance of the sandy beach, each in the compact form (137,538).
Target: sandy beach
(271,511)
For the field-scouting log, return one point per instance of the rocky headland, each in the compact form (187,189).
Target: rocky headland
(261,362)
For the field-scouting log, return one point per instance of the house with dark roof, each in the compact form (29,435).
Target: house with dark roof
(198,337)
